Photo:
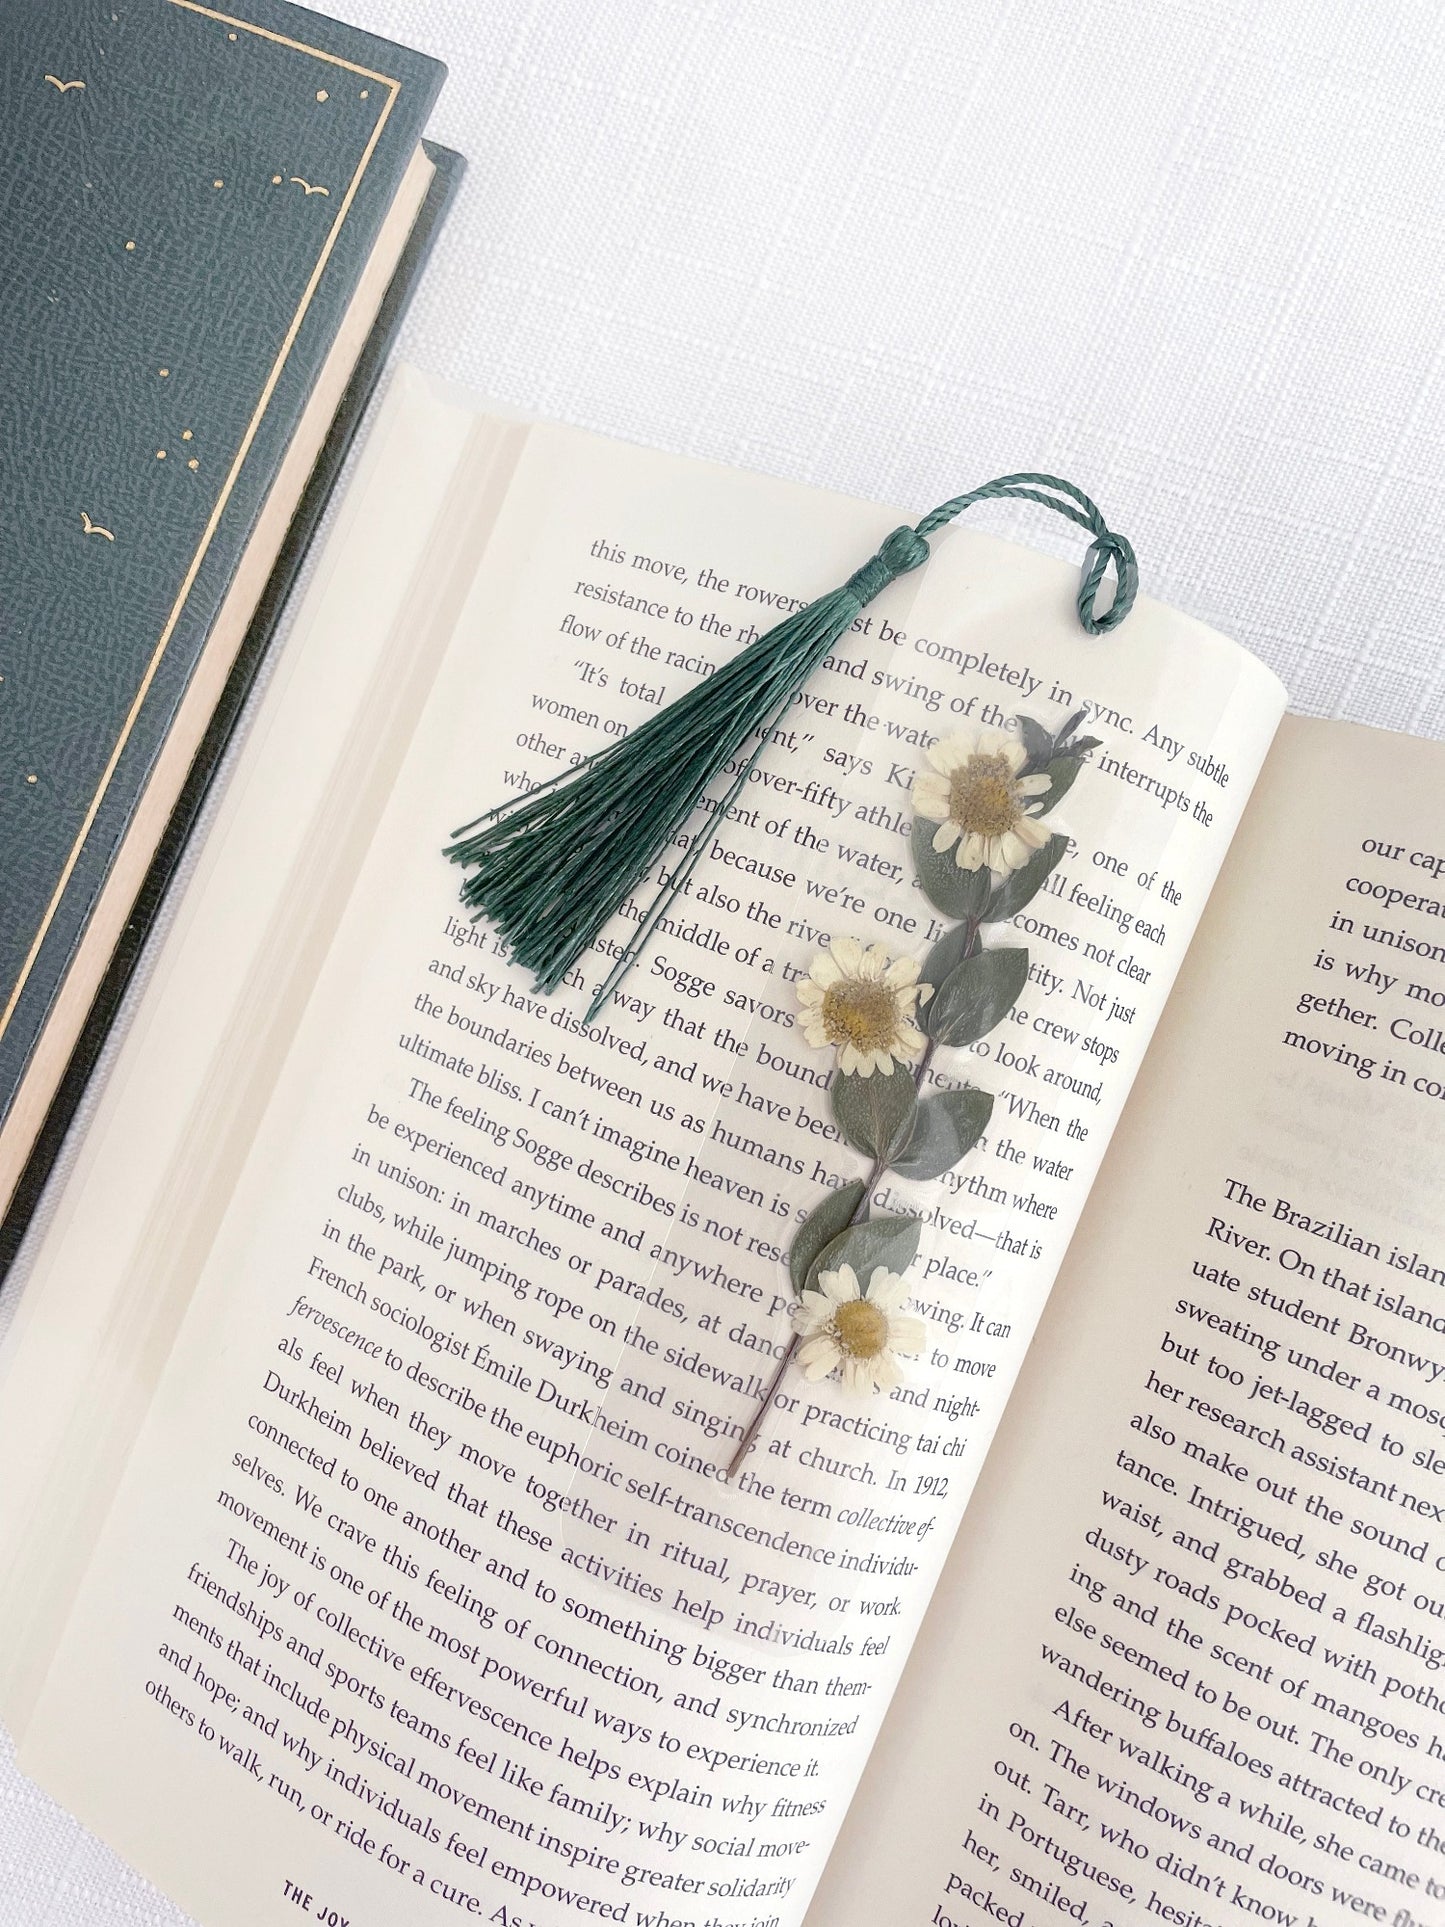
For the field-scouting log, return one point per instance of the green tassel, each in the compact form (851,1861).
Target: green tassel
(548,869)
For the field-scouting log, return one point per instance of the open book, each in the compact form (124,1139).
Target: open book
(367,1554)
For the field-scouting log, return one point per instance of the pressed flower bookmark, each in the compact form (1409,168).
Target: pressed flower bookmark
(982,849)
(551,867)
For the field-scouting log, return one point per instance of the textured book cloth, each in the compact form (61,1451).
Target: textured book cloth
(192,204)
(15,1220)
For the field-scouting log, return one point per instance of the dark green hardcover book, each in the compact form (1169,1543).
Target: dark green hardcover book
(14,1222)
(202,213)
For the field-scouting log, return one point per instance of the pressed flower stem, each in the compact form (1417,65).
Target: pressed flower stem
(765,1402)
(745,1443)
(870,1185)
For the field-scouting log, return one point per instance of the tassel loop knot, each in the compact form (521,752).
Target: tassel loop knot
(1108,548)
(899,552)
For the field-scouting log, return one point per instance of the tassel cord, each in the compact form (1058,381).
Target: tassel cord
(558,858)
(615,783)
(1106,549)
(675,731)
(667,895)
(738,670)
(551,867)
(673,886)
(533,868)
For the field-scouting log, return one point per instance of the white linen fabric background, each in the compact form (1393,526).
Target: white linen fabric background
(1187,253)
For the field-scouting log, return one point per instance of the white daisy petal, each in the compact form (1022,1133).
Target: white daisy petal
(825,971)
(946,835)
(930,797)
(809,993)
(907,1335)
(1015,755)
(1012,850)
(949,752)
(886,1289)
(857,1379)
(1033,830)
(848,1286)
(970,853)
(1034,785)
(821,1363)
(902,970)
(848,954)
(864,1379)
(887,1373)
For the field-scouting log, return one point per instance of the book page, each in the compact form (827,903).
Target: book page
(1187,1663)
(423,1568)
(202,1051)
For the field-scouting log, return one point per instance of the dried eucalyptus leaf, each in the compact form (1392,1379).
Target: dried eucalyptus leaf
(821,1226)
(956,892)
(1020,887)
(1037,742)
(875,1113)
(979,994)
(1061,773)
(945,957)
(890,1242)
(949,1124)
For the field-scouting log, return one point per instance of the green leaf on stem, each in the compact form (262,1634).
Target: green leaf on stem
(1061,773)
(1020,887)
(1038,743)
(978,995)
(890,1242)
(1081,746)
(875,1113)
(956,892)
(949,1124)
(821,1226)
(946,955)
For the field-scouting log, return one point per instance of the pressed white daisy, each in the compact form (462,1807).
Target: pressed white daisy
(862,1002)
(859,1334)
(976,796)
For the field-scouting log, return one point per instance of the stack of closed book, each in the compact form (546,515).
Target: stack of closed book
(212,223)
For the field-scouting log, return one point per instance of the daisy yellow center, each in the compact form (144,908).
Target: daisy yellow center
(983,797)
(861,1330)
(861,1014)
